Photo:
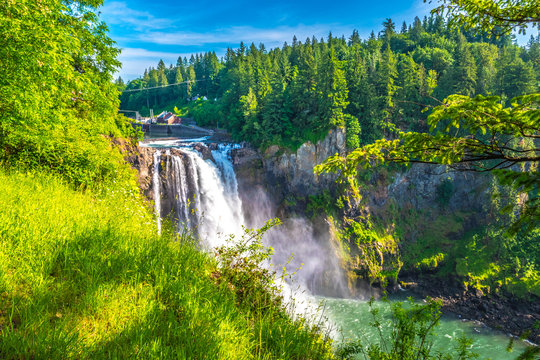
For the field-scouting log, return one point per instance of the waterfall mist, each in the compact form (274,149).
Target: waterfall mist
(203,195)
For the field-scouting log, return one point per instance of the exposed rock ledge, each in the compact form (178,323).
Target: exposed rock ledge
(291,172)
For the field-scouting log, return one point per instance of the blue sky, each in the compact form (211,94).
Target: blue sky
(150,30)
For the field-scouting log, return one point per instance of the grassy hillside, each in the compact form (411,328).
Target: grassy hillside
(86,276)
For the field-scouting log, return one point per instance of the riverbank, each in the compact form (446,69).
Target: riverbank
(511,315)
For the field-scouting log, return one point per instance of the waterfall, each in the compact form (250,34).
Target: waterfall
(204,197)
(157,188)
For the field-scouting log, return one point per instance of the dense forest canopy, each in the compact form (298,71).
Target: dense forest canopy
(297,92)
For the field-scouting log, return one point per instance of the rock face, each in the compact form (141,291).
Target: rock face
(169,192)
(140,159)
(293,172)
(421,186)
(252,182)
(424,186)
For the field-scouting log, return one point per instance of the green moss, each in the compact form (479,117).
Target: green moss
(431,263)
(372,252)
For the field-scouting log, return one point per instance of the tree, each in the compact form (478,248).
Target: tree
(389,29)
(386,75)
(332,91)
(353,130)
(498,17)
(486,71)
(477,134)
(517,78)
(120,84)
(56,89)
(463,76)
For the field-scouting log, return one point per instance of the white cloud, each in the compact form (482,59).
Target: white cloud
(247,34)
(131,53)
(135,60)
(117,12)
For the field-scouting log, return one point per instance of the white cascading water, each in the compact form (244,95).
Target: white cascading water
(157,189)
(203,194)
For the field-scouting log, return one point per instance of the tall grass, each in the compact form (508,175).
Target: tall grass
(86,276)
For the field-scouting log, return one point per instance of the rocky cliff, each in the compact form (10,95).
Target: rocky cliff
(293,171)
(425,186)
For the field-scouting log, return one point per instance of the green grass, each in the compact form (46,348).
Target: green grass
(86,276)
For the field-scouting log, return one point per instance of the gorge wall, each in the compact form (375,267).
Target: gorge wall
(399,208)
(284,184)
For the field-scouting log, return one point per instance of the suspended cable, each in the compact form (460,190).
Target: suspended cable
(163,86)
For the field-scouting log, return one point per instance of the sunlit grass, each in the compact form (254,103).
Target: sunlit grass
(86,275)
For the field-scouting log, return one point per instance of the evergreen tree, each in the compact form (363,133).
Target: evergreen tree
(486,56)
(518,78)
(355,38)
(352,131)
(153,78)
(464,72)
(389,29)
(190,78)
(179,90)
(333,93)
(404,28)
(386,75)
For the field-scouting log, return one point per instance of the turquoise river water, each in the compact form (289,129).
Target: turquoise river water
(351,319)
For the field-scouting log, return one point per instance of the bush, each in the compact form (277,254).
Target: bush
(410,337)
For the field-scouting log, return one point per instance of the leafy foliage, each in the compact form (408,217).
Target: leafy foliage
(242,269)
(58,105)
(469,134)
(411,336)
(499,17)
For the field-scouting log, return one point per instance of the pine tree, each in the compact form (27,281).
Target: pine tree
(333,93)
(517,79)
(161,66)
(275,121)
(404,28)
(486,55)
(162,78)
(179,90)
(389,29)
(386,76)
(355,38)
(464,72)
(153,78)
(190,78)
(352,131)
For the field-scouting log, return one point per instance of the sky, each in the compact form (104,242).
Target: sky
(150,30)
